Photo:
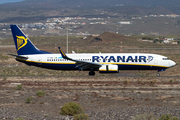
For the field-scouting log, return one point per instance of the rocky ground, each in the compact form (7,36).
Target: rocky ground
(103,98)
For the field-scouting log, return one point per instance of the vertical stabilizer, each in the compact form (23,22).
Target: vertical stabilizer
(23,44)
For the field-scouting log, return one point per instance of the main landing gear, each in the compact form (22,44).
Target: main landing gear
(91,73)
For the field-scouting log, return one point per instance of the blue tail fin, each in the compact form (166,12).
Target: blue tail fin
(23,44)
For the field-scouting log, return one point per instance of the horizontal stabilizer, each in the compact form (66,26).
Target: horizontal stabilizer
(18,56)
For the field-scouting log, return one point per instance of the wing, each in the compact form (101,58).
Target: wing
(82,64)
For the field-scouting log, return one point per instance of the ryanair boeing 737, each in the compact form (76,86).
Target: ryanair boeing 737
(102,62)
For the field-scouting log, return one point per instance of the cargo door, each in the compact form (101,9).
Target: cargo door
(156,60)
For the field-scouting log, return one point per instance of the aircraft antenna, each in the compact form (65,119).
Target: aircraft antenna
(67,39)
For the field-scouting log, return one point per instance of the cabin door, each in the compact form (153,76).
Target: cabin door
(39,61)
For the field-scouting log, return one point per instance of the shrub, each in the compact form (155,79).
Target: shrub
(28,99)
(168,117)
(81,116)
(40,93)
(171,81)
(71,109)
(147,38)
(145,117)
(4,78)
(155,40)
(18,87)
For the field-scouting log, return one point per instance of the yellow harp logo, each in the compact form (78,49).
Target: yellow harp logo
(21,42)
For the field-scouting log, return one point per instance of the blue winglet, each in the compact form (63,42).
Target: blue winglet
(62,53)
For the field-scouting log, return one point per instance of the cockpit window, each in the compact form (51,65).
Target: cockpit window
(165,58)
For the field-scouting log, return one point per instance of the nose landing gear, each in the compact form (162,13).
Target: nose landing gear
(158,74)
(160,71)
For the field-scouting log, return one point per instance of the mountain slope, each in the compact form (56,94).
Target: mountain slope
(68,3)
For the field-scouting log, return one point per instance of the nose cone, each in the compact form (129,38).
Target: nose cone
(172,63)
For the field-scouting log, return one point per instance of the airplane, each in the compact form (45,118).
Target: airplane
(102,62)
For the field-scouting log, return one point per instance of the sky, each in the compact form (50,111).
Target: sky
(9,1)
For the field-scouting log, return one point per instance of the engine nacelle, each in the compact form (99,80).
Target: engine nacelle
(108,69)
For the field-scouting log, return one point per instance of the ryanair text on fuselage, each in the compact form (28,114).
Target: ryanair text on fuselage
(122,58)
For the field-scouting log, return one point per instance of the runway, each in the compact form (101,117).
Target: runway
(111,76)
(163,83)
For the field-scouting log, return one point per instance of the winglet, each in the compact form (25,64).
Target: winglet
(62,53)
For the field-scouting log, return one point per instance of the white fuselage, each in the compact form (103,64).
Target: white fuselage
(124,61)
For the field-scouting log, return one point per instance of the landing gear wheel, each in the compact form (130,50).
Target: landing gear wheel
(158,74)
(91,73)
